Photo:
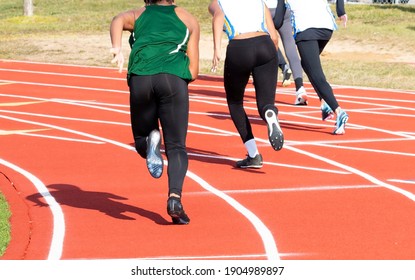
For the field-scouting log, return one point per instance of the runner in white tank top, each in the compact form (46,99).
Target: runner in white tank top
(311,14)
(235,21)
(252,50)
(313,23)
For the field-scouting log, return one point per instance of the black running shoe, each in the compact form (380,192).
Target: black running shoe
(249,162)
(275,136)
(154,160)
(176,212)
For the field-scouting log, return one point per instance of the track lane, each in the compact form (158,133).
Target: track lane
(296,191)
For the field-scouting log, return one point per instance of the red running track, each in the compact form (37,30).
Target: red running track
(81,192)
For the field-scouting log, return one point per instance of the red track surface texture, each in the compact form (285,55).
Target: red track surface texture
(81,192)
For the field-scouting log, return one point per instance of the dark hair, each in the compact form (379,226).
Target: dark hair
(156,1)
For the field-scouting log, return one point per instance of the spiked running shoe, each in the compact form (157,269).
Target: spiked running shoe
(326,112)
(286,75)
(301,97)
(249,162)
(154,160)
(341,121)
(275,136)
(176,212)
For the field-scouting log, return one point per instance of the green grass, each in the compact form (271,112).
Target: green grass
(85,16)
(388,27)
(4,224)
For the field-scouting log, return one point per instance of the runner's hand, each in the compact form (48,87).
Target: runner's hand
(118,58)
(215,62)
(343,18)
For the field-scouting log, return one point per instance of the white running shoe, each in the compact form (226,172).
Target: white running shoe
(301,97)
(154,160)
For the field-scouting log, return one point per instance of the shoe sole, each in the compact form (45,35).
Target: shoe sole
(341,129)
(275,135)
(154,159)
(286,83)
(250,166)
(301,100)
(178,218)
(286,78)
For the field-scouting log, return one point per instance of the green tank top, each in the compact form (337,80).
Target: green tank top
(159,43)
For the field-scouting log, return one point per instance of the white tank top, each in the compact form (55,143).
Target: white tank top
(272,4)
(243,16)
(311,14)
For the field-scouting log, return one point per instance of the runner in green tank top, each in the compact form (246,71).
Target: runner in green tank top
(164,58)
(162,45)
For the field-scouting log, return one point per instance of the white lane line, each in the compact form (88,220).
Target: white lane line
(347,141)
(63,118)
(61,138)
(63,100)
(61,74)
(295,189)
(58,232)
(403,181)
(366,149)
(66,86)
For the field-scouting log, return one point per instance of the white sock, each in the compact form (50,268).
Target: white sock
(251,148)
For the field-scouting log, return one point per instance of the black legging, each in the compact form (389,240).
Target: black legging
(310,51)
(243,57)
(162,97)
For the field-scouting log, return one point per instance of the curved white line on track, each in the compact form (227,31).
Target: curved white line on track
(264,232)
(58,234)
(266,235)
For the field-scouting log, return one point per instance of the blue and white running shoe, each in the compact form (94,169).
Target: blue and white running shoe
(341,121)
(154,160)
